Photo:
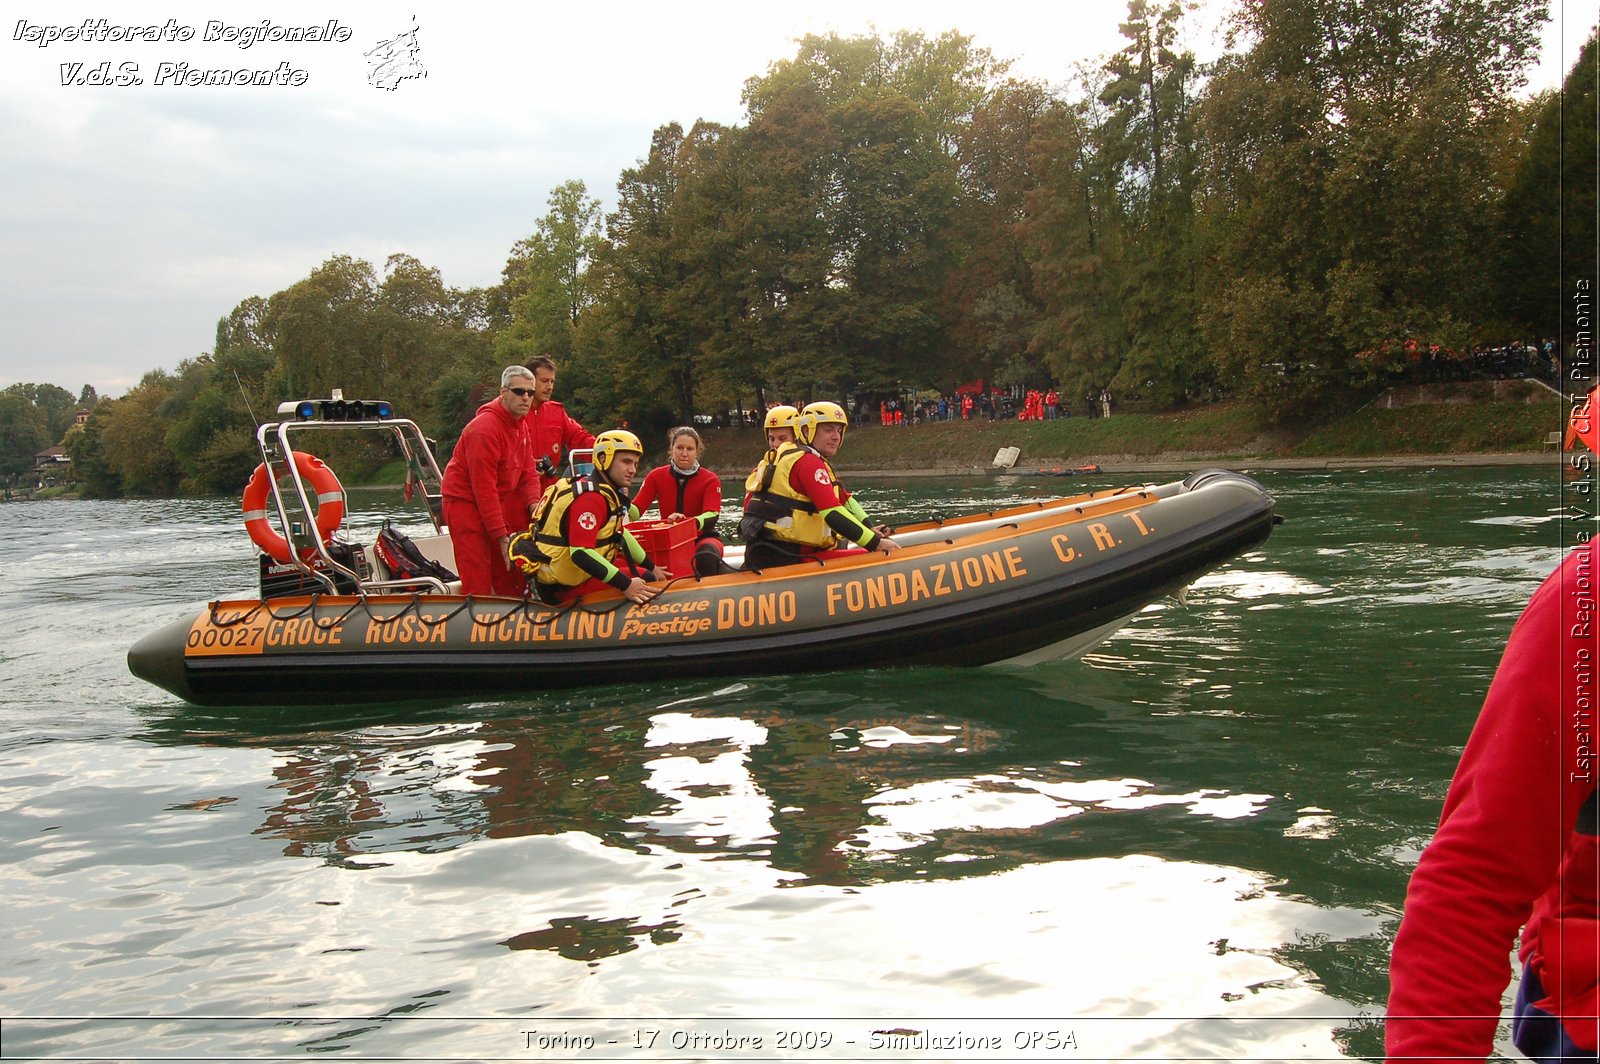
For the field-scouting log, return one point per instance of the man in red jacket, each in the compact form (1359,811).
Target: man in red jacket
(490,488)
(1518,847)
(551,431)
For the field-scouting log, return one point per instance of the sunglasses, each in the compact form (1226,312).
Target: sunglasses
(523,392)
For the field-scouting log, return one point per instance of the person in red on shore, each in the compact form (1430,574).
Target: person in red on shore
(795,507)
(684,488)
(578,533)
(1518,848)
(490,488)
(551,430)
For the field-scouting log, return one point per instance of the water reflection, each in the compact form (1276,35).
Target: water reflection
(1213,816)
(833,797)
(1005,778)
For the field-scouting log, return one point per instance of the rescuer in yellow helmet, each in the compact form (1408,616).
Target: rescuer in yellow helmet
(795,507)
(779,425)
(578,530)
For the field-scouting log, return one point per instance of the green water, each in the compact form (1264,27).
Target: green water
(1193,843)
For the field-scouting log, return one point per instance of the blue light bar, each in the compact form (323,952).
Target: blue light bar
(337,410)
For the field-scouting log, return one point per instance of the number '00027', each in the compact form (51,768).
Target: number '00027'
(212,638)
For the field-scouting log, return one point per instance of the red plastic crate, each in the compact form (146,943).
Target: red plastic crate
(670,544)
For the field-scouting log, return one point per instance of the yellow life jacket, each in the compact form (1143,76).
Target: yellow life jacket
(550,529)
(776,510)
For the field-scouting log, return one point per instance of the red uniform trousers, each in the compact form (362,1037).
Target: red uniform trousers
(479,560)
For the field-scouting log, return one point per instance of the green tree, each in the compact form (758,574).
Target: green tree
(1148,128)
(851,189)
(672,292)
(24,432)
(790,289)
(405,325)
(1149,140)
(210,434)
(1111,232)
(1547,219)
(454,399)
(546,278)
(991,305)
(1074,236)
(317,328)
(1349,184)
(56,404)
(60,409)
(91,461)
(946,76)
(132,436)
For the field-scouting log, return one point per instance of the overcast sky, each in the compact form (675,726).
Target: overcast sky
(133,216)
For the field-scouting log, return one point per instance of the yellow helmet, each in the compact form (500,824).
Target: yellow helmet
(781,417)
(821,412)
(612,442)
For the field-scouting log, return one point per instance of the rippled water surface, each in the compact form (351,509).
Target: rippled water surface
(1193,843)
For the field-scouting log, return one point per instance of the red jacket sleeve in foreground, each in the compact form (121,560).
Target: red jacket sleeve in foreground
(1502,837)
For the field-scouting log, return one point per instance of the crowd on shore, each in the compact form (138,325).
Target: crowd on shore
(1413,362)
(963,404)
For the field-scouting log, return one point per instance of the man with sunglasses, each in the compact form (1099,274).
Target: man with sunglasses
(551,430)
(491,487)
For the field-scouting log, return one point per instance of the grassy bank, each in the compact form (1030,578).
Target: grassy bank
(1460,421)
(1499,427)
(1455,422)
(1076,439)
(1222,431)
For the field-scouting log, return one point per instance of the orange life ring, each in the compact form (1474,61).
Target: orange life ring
(330,504)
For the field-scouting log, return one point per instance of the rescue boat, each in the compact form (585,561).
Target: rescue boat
(335,622)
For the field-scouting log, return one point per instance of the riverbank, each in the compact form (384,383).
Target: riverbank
(1485,423)
(1179,464)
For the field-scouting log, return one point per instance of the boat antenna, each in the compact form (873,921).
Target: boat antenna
(245,397)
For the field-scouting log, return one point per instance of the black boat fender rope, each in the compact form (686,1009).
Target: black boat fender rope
(524,606)
(414,604)
(317,622)
(311,604)
(549,612)
(243,617)
(407,608)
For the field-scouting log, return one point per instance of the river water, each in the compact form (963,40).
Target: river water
(1193,843)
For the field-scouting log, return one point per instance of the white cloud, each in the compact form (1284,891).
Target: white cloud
(133,217)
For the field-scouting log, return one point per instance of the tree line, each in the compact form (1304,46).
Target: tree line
(902,212)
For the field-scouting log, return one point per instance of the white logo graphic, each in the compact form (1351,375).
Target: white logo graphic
(587,522)
(395,60)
